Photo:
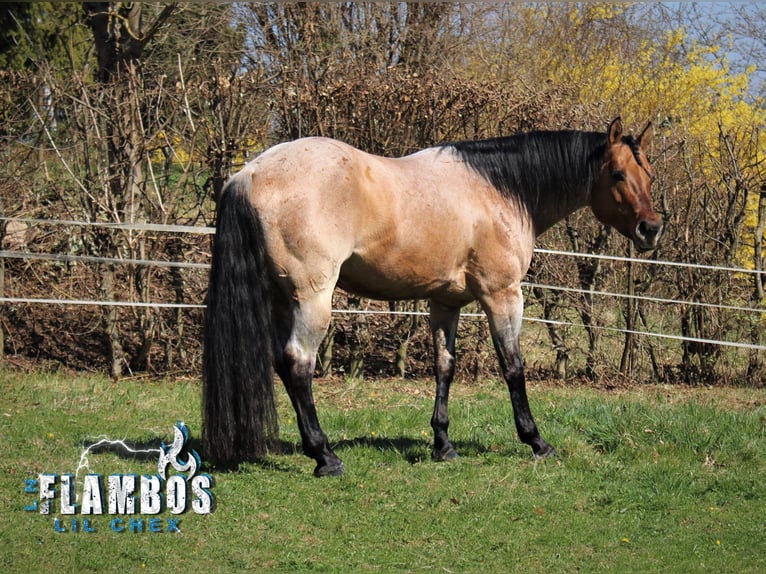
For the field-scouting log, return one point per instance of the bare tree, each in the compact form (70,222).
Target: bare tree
(121,32)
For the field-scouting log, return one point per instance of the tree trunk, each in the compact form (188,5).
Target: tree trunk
(404,330)
(359,341)
(324,355)
(754,361)
(119,37)
(588,271)
(173,340)
(626,362)
(549,304)
(2,294)
(110,321)
(146,322)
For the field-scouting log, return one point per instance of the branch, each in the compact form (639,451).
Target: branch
(61,158)
(161,19)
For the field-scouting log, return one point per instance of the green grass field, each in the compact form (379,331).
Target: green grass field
(654,479)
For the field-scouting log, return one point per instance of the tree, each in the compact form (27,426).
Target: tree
(133,113)
(41,34)
(120,34)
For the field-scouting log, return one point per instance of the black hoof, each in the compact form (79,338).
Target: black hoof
(335,469)
(444,455)
(544,451)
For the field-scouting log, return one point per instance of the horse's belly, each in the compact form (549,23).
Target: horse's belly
(395,282)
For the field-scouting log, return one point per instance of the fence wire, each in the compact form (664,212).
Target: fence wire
(203,230)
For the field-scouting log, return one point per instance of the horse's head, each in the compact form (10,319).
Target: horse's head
(621,197)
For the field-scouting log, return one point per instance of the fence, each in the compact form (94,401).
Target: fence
(754,313)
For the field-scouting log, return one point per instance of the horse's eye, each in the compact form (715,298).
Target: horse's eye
(618,175)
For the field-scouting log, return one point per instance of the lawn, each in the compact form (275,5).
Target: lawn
(651,479)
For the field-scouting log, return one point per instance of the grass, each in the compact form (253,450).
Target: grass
(654,479)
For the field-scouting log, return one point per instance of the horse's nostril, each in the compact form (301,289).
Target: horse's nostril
(648,231)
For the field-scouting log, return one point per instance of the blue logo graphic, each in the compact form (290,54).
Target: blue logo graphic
(126,495)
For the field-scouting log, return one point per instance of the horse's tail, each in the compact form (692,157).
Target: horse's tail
(238,409)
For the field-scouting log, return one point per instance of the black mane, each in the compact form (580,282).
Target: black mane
(535,167)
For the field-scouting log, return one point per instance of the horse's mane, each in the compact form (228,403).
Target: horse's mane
(530,167)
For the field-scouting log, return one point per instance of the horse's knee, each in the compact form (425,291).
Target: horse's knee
(445,364)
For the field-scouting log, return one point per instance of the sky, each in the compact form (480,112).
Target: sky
(741,25)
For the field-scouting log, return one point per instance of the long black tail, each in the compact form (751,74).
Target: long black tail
(238,410)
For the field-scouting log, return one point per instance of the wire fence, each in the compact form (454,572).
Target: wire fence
(204,230)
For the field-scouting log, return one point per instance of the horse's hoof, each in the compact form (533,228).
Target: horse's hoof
(335,469)
(444,455)
(545,451)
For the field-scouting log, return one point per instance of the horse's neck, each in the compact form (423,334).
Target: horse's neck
(550,211)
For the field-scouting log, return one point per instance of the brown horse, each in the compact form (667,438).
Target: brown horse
(452,224)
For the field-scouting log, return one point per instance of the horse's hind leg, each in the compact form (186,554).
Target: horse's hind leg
(504,311)
(300,329)
(444,329)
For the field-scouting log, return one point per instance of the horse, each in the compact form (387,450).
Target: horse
(452,224)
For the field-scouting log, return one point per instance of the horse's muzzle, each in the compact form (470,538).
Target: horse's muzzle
(647,234)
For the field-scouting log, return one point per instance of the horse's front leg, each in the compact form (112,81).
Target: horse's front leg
(444,329)
(504,311)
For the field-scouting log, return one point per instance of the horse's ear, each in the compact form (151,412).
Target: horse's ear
(646,136)
(615,131)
